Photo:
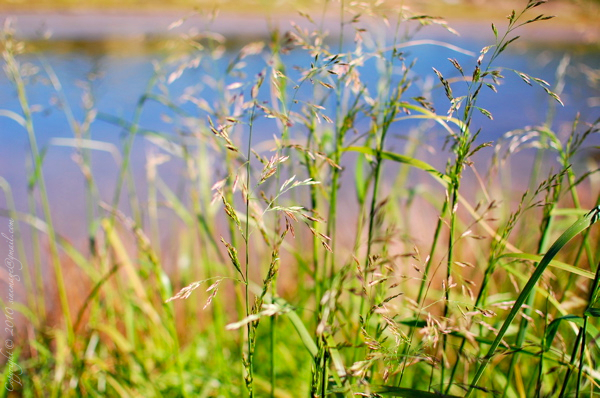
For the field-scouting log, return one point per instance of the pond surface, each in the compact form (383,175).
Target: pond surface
(123,67)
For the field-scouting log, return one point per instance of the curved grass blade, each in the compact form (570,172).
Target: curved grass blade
(419,164)
(553,263)
(574,230)
(14,116)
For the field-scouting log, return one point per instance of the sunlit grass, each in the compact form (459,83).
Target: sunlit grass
(280,287)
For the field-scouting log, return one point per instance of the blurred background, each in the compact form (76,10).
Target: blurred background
(107,51)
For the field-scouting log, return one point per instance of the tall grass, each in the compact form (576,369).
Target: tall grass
(288,282)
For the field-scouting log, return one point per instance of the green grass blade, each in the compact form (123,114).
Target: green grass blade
(419,164)
(552,329)
(391,391)
(554,263)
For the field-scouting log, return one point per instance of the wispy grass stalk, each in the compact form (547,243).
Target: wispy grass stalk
(13,71)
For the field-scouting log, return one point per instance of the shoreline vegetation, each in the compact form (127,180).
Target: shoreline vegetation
(577,22)
(577,15)
(450,9)
(297,268)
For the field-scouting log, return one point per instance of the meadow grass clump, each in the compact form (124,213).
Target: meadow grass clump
(298,267)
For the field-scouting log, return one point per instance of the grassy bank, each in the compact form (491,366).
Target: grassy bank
(322,261)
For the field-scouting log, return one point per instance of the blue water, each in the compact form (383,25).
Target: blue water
(124,78)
